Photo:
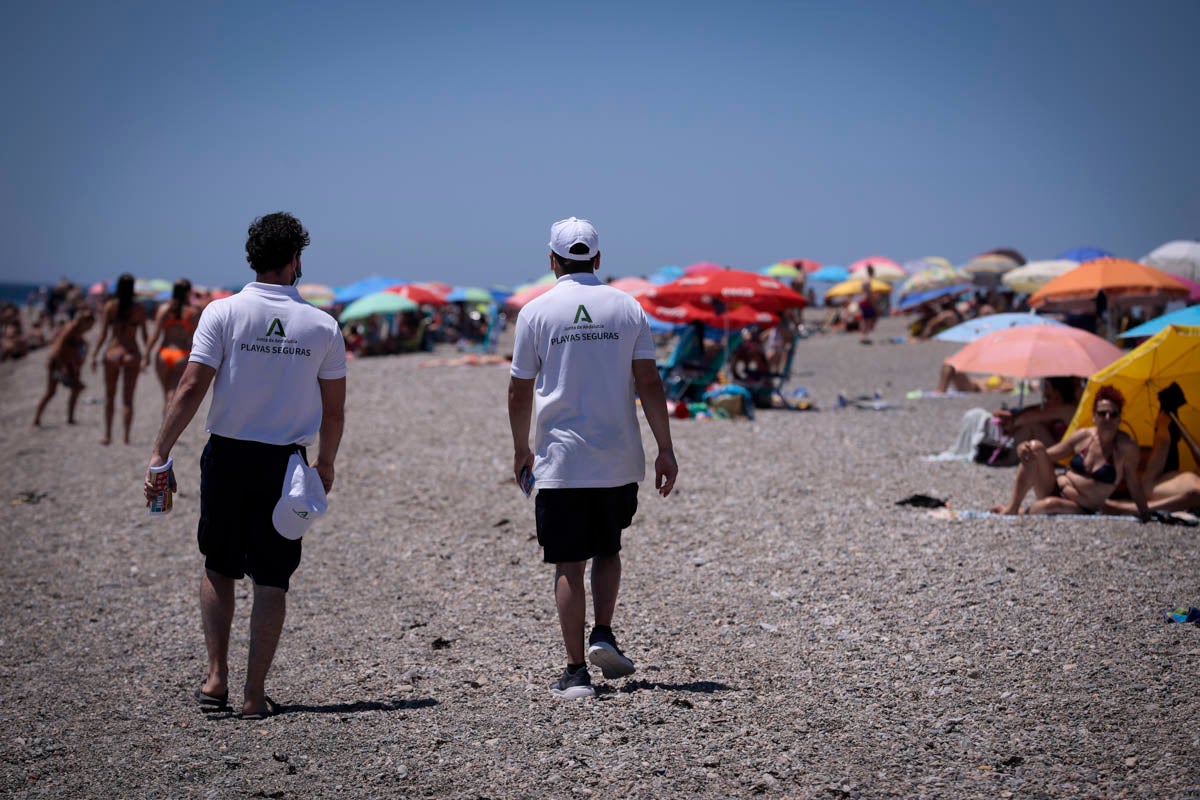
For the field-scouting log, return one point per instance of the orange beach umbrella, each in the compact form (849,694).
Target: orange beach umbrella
(1116,277)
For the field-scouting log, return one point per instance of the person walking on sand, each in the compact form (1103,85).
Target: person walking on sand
(124,319)
(867,307)
(174,324)
(278,370)
(65,364)
(581,350)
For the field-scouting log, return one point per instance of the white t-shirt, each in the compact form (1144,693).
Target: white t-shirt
(580,340)
(268,347)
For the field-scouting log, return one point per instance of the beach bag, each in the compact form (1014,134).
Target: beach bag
(995,449)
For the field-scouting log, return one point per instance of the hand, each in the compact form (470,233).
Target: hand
(155,482)
(522,459)
(1025,452)
(665,471)
(325,470)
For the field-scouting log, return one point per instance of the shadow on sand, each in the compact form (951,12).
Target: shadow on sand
(358,707)
(697,687)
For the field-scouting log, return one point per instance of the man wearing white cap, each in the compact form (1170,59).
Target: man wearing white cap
(581,351)
(278,369)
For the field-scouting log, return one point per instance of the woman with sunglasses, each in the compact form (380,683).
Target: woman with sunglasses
(1102,456)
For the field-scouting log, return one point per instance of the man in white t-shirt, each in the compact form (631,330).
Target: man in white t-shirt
(278,370)
(581,351)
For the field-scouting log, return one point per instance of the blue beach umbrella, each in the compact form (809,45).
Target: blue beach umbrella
(469,294)
(1082,254)
(830,274)
(972,329)
(1184,316)
(912,301)
(376,283)
(665,275)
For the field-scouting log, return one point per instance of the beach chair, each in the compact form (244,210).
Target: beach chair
(767,387)
(686,374)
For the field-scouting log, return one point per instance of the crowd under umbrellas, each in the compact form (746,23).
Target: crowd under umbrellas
(1116,300)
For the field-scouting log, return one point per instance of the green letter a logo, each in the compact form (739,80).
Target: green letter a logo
(582,314)
(276,328)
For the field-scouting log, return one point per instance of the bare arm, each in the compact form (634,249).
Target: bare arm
(654,406)
(333,421)
(193,386)
(1066,447)
(104,318)
(158,329)
(1128,451)
(520,411)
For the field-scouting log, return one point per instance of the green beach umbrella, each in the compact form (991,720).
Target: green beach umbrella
(782,271)
(469,294)
(378,303)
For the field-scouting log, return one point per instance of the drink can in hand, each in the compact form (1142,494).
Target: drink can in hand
(164,481)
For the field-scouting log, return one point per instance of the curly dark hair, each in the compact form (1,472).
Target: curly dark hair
(1110,393)
(273,240)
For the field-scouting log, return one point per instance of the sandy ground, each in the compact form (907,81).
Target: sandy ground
(796,633)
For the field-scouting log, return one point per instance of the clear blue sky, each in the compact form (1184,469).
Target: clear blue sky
(439,140)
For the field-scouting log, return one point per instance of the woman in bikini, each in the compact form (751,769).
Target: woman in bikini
(175,322)
(1101,457)
(65,364)
(123,358)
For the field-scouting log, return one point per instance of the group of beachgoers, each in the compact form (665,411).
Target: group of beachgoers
(1107,472)
(130,338)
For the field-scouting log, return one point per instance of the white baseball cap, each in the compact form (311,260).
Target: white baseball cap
(302,502)
(566,233)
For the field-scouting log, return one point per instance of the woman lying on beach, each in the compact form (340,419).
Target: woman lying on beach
(175,322)
(65,363)
(1101,457)
(123,358)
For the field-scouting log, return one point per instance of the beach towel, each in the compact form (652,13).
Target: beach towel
(977,427)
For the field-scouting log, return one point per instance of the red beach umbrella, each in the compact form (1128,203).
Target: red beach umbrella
(631,285)
(678,315)
(701,267)
(421,295)
(730,286)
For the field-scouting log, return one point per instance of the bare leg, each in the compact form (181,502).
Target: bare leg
(51,388)
(111,373)
(73,400)
(216,611)
(606,583)
(1178,493)
(128,387)
(266,624)
(571,599)
(1036,473)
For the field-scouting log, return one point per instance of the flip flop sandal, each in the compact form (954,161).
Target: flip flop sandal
(271,709)
(208,702)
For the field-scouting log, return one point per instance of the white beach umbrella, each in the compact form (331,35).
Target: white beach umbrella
(1180,258)
(1036,274)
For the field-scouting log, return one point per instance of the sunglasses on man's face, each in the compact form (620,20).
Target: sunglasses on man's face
(1104,413)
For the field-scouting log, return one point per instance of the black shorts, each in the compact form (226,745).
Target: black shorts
(240,483)
(578,524)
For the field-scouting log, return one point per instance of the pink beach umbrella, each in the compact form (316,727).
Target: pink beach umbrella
(522,297)
(1036,351)
(632,285)
(886,270)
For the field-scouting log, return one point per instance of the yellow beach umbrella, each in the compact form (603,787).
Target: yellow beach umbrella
(854,286)
(1171,356)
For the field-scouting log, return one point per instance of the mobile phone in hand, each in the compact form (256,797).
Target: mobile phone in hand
(526,481)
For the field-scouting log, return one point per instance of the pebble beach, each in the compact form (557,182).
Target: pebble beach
(796,633)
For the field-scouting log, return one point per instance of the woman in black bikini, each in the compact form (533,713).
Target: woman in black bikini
(1101,457)
(123,358)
